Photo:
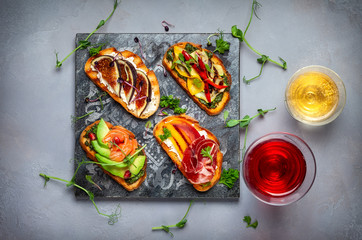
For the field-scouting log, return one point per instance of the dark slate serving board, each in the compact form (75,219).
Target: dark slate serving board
(161,182)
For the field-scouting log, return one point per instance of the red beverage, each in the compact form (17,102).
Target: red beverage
(279,168)
(275,168)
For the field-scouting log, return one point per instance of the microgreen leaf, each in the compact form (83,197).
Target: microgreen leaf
(244,123)
(148,124)
(95,50)
(237,33)
(89,179)
(226,115)
(229,177)
(74,118)
(180,224)
(83,44)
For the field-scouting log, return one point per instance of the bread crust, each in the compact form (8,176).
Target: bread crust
(158,130)
(91,155)
(226,96)
(92,75)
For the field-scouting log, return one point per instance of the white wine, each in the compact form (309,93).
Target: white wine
(312,97)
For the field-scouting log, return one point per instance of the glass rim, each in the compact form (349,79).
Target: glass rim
(310,175)
(339,84)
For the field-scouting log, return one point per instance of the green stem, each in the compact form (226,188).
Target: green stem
(251,79)
(59,64)
(244,147)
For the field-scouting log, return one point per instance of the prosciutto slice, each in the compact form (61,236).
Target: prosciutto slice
(200,169)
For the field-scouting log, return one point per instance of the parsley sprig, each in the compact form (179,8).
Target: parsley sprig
(247,219)
(180,224)
(221,44)
(172,103)
(206,152)
(244,123)
(229,177)
(166,134)
(83,44)
(112,218)
(263,58)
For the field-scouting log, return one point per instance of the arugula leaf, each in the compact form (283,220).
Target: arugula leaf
(83,44)
(166,134)
(206,152)
(247,219)
(237,33)
(221,45)
(244,123)
(229,177)
(197,82)
(180,224)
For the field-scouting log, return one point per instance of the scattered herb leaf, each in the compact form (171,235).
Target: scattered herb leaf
(244,123)
(221,45)
(112,218)
(148,124)
(166,134)
(83,44)
(172,103)
(237,33)
(180,224)
(247,219)
(229,177)
(89,179)
(74,118)
(226,115)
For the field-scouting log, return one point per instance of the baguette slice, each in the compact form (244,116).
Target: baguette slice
(85,144)
(139,107)
(222,78)
(176,153)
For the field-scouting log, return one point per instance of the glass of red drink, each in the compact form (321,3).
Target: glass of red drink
(279,168)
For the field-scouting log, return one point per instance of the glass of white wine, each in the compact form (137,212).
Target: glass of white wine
(315,95)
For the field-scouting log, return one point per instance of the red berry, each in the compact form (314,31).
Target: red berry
(92,136)
(117,140)
(127,174)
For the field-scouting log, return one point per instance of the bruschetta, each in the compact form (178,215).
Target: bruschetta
(125,77)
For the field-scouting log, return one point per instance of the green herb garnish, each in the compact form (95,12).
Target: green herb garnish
(180,224)
(112,218)
(74,118)
(221,45)
(83,44)
(206,152)
(229,177)
(172,103)
(148,124)
(166,134)
(96,49)
(247,219)
(241,36)
(89,179)
(244,123)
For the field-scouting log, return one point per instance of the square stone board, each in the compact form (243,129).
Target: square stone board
(162,181)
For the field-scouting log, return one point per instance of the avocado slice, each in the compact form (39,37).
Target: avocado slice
(101,150)
(115,170)
(137,165)
(102,130)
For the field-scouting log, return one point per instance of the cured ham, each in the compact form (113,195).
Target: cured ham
(199,168)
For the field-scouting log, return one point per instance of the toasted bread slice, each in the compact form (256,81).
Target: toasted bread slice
(175,151)
(192,82)
(118,72)
(85,143)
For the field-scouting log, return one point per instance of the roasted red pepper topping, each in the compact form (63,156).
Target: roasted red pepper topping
(92,136)
(201,70)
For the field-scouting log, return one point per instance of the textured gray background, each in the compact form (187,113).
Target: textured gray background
(37,102)
(160,182)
